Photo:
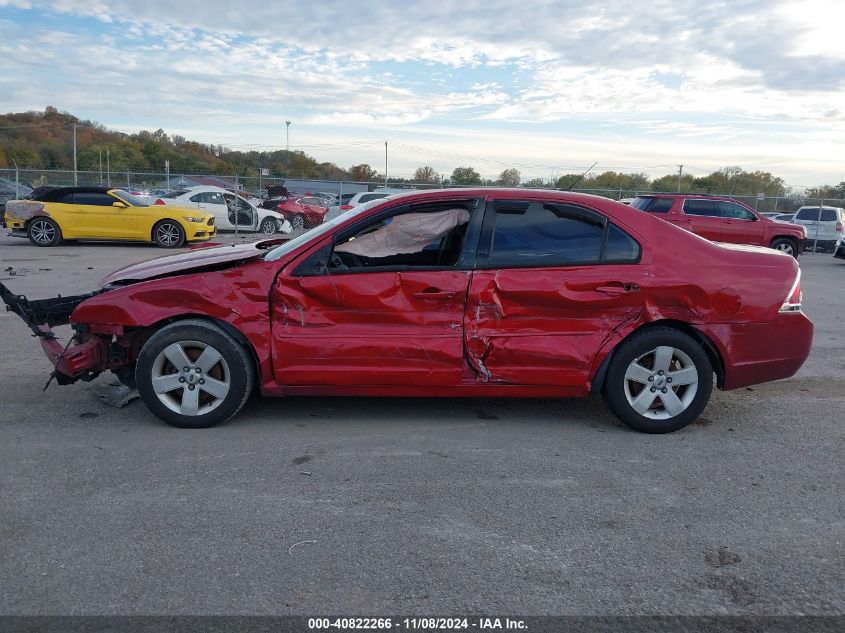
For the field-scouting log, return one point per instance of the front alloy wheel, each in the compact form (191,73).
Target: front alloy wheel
(168,234)
(44,232)
(659,380)
(785,245)
(192,374)
(268,226)
(297,222)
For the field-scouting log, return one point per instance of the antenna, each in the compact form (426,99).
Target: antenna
(581,177)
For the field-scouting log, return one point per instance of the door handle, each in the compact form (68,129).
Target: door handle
(434,295)
(618,290)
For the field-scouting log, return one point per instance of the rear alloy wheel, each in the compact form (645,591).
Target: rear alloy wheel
(785,245)
(193,375)
(44,232)
(297,222)
(269,226)
(168,234)
(659,381)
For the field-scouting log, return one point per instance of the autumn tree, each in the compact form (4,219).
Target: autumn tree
(426,176)
(363,173)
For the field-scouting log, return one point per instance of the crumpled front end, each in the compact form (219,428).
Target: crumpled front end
(85,355)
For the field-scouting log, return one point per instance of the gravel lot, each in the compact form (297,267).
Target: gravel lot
(377,507)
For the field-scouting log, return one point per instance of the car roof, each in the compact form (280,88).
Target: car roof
(58,192)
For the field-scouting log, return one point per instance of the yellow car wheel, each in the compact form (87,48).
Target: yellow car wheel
(43,231)
(168,234)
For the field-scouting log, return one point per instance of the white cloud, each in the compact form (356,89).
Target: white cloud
(696,79)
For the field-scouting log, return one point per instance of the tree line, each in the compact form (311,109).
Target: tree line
(44,140)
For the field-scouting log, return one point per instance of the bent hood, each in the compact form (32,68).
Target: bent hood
(192,261)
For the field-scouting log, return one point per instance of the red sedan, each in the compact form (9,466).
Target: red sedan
(303,213)
(444,293)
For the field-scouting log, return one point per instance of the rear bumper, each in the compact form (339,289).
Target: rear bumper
(754,353)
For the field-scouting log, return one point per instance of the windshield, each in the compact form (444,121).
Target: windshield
(129,199)
(317,231)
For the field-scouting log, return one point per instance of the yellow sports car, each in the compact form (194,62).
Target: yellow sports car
(103,213)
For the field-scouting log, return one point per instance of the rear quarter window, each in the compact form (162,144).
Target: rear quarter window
(829,215)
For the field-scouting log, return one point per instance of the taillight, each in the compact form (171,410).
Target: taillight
(839,227)
(793,300)
(346,207)
(158,201)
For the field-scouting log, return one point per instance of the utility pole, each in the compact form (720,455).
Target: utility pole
(385,164)
(17,179)
(108,168)
(75,174)
(287,147)
(680,171)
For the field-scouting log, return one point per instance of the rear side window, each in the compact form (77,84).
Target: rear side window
(537,234)
(702,207)
(829,215)
(94,199)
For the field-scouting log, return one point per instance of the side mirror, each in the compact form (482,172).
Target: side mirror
(119,205)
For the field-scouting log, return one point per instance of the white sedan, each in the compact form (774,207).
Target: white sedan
(231,211)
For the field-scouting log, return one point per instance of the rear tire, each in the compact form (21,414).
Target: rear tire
(168,234)
(659,380)
(785,245)
(193,375)
(297,222)
(43,231)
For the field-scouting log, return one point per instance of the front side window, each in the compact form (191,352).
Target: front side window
(735,211)
(422,237)
(702,207)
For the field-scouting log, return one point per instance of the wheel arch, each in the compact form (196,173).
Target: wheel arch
(157,222)
(227,327)
(709,347)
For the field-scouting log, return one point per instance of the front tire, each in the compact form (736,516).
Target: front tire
(297,222)
(659,380)
(44,231)
(269,226)
(192,374)
(785,245)
(168,234)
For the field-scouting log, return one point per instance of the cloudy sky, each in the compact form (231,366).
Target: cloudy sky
(547,87)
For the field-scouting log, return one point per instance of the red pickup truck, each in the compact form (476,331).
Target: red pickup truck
(723,220)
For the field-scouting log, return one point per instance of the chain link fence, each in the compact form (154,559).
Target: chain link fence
(819,221)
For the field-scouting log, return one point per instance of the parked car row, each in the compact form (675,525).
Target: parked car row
(103,213)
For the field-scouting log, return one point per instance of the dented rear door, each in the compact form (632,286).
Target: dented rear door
(554,283)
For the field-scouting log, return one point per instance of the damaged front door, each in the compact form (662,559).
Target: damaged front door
(381,306)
